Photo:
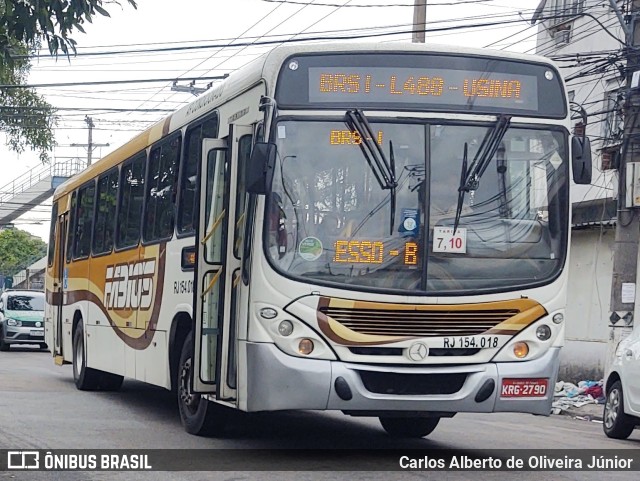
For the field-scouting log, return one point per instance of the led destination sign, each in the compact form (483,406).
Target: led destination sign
(413,85)
(372,252)
(421,81)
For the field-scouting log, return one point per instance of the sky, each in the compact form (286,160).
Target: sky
(125,47)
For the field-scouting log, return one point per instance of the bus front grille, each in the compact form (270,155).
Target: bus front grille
(423,323)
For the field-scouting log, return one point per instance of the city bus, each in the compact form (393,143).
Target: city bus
(377,229)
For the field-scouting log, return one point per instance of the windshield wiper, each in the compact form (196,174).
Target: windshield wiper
(502,181)
(485,153)
(470,176)
(383,169)
(461,191)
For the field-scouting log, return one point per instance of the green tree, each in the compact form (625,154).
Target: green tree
(18,250)
(25,117)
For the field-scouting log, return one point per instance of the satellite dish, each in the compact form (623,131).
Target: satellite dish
(538,13)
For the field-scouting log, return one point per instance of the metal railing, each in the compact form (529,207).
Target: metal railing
(41,172)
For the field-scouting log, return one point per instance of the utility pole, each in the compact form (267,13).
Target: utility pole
(625,259)
(89,145)
(419,20)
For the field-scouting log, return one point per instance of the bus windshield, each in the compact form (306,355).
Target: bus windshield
(330,221)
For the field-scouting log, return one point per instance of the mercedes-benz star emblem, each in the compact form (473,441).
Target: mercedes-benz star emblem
(418,351)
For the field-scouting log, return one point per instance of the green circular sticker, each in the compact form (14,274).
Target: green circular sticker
(310,248)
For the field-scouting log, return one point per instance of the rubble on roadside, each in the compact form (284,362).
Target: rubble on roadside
(569,398)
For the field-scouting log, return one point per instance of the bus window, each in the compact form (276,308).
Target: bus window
(72,220)
(189,173)
(52,234)
(244,151)
(105,213)
(130,207)
(159,212)
(84,221)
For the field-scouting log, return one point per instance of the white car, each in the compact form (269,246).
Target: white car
(622,407)
(21,318)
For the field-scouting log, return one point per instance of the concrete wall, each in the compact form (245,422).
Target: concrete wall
(587,331)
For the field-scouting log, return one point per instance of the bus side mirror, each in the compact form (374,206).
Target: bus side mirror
(581,160)
(259,170)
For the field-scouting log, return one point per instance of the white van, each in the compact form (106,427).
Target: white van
(622,407)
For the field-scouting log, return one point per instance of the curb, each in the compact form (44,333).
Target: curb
(580,414)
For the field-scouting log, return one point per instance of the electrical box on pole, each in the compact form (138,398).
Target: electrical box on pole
(632,187)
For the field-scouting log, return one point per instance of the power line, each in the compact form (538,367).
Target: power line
(319,4)
(305,39)
(108,82)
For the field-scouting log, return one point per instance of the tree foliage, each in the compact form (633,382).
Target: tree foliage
(18,250)
(25,117)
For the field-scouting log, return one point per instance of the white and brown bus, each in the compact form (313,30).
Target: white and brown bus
(377,229)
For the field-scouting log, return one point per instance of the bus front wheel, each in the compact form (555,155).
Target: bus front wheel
(409,427)
(198,415)
(86,379)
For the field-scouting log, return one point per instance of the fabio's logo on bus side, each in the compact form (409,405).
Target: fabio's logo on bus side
(129,286)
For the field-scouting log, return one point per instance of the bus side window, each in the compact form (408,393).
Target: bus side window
(72,227)
(188,202)
(105,212)
(130,202)
(84,221)
(52,235)
(161,184)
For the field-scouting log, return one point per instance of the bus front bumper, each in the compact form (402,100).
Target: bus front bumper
(277,381)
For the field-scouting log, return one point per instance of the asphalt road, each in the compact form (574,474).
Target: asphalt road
(41,409)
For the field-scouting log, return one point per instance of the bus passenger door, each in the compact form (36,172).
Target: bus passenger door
(58,284)
(241,142)
(211,237)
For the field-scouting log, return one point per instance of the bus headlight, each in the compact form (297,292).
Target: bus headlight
(543,332)
(14,323)
(285,328)
(558,318)
(520,350)
(305,346)
(290,333)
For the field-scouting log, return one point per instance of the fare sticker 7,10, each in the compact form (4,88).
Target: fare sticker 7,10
(444,240)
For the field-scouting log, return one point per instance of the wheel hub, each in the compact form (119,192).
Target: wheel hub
(611,408)
(187,397)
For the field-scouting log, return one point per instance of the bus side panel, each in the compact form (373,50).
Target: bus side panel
(177,298)
(104,350)
(150,337)
(152,363)
(75,304)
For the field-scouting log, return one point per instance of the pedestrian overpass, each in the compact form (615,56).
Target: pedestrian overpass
(33,187)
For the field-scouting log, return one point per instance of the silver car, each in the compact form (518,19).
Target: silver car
(21,318)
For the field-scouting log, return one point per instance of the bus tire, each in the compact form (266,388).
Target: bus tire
(109,381)
(409,427)
(197,414)
(616,424)
(86,379)
(43,345)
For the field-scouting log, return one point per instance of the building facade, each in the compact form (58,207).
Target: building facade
(586,39)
